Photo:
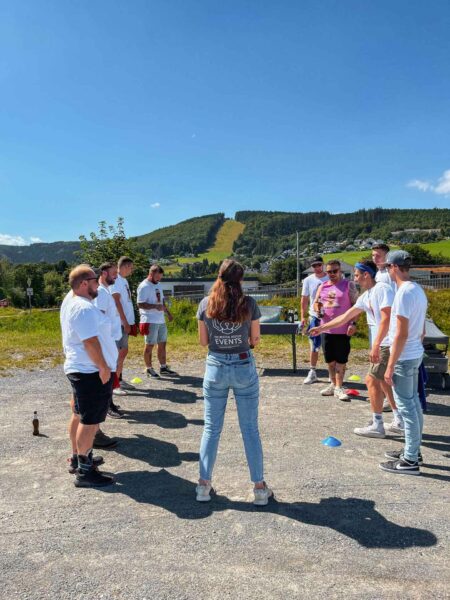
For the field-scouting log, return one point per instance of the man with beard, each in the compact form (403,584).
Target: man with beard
(105,302)
(152,310)
(91,355)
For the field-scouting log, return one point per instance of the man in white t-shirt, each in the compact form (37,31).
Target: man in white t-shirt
(406,332)
(90,356)
(105,302)
(379,253)
(309,317)
(120,291)
(376,301)
(152,311)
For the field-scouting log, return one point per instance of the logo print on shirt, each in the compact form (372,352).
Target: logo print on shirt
(225,327)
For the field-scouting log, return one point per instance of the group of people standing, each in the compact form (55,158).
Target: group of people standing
(395,309)
(97,316)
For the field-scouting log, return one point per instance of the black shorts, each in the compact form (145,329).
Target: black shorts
(336,347)
(91,396)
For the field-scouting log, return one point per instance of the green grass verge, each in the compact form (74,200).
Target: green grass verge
(34,340)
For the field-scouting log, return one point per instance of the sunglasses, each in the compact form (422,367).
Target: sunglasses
(90,279)
(333,271)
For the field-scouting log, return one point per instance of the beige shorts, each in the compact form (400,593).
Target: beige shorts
(377,370)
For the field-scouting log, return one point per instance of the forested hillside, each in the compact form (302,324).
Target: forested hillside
(268,233)
(191,236)
(40,253)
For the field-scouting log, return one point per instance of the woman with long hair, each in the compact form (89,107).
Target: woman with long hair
(228,323)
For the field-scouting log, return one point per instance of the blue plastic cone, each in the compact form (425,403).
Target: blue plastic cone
(331,441)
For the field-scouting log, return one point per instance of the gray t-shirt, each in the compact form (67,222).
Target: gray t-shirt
(227,337)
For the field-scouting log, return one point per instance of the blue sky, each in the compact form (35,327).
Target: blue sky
(160,110)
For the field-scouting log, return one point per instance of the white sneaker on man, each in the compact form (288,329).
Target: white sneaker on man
(120,392)
(311,377)
(373,430)
(262,495)
(203,493)
(340,394)
(396,426)
(328,391)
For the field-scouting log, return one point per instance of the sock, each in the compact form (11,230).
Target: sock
(378,419)
(120,377)
(312,368)
(163,366)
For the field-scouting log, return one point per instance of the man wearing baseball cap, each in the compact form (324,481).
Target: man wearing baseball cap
(309,289)
(406,331)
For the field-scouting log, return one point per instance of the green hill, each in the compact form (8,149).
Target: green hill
(36,253)
(190,236)
(269,233)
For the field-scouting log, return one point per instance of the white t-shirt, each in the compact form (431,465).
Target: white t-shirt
(382,276)
(372,302)
(152,293)
(121,287)
(409,302)
(81,320)
(105,302)
(309,289)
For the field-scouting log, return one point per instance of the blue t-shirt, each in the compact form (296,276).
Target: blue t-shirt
(227,337)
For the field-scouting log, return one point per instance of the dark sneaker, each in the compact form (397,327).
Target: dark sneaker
(93,478)
(126,386)
(102,440)
(73,463)
(152,373)
(116,408)
(167,371)
(398,455)
(114,412)
(401,467)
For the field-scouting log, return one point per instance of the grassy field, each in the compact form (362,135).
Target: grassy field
(34,340)
(442,247)
(223,246)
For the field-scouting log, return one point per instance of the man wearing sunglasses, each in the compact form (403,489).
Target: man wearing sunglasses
(309,289)
(91,354)
(333,298)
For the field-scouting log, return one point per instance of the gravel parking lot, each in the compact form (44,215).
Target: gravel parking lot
(339,526)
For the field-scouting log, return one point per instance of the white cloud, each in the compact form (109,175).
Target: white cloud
(423,186)
(155,205)
(442,188)
(35,240)
(12,240)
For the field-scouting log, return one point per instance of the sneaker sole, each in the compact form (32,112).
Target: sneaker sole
(371,434)
(325,395)
(263,502)
(398,472)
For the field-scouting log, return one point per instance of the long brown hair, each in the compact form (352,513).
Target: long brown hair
(226,299)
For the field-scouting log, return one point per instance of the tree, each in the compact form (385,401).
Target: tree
(109,244)
(422,256)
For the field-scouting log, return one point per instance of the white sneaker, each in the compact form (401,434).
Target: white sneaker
(120,392)
(396,427)
(203,493)
(311,377)
(328,391)
(386,406)
(262,495)
(373,430)
(340,394)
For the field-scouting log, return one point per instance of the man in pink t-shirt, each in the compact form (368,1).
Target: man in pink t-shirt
(333,298)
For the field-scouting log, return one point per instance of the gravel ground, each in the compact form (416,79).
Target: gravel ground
(339,526)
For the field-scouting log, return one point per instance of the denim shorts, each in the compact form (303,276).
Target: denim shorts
(157,333)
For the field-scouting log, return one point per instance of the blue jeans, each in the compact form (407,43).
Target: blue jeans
(406,396)
(224,372)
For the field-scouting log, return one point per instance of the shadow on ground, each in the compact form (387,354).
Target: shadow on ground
(355,518)
(165,419)
(170,394)
(156,453)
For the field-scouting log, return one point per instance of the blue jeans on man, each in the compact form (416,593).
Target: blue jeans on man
(406,396)
(224,372)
